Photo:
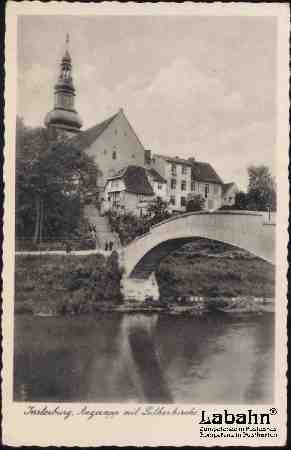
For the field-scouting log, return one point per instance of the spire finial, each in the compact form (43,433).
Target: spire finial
(67,39)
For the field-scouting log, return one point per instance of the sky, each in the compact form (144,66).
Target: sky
(191,86)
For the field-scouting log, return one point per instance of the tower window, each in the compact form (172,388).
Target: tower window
(114,154)
(183,185)
(115,131)
(184,170)
(133,155)
(105,151)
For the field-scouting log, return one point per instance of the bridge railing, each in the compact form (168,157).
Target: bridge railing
(197,213)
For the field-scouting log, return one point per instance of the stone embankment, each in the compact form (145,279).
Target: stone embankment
(198,306)
(235,306)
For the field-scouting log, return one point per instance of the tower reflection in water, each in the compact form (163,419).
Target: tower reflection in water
(144,358)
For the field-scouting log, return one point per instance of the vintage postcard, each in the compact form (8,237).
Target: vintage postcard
(145,224)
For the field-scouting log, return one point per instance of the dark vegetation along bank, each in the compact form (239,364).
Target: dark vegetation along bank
(72,284)
(57,284)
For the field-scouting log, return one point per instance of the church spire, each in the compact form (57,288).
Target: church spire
(64,115)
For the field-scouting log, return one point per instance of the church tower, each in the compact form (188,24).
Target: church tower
(64,117)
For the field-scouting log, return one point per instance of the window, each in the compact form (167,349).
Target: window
(206,190)
(174,169)
(183,201)
(133,155)
(173,183)
(115,131)
(114,154)
(153,160)
(105,151)
(159,186)
(215,189)
(172,200)
(193,186)
(183,185)
(184,170)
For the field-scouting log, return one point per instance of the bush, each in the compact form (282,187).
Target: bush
(127,226)
(98,281)
(195,203)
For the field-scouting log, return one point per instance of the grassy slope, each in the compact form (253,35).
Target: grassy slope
(213,269)
(48,282)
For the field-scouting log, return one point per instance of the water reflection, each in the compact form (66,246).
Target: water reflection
(144,358)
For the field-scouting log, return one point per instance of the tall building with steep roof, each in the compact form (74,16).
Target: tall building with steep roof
(64,117)
(113,144)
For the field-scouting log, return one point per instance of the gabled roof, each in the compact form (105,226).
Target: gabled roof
(156,176)
(226,187)
(204,172)
(86,138)
(135,180)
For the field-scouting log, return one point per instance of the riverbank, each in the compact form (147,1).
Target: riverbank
(212,269)
(194,280)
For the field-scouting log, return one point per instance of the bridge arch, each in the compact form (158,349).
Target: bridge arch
(243,229)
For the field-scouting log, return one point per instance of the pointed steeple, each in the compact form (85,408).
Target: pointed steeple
(64,116)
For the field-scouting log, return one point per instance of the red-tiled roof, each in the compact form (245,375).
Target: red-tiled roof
(135,179)
(204,172)
(86,138)
(156,176)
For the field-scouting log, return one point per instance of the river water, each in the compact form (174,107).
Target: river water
(144,358)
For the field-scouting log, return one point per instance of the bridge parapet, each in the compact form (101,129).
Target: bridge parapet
(243,229)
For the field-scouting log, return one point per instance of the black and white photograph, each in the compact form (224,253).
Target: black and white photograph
(146,210)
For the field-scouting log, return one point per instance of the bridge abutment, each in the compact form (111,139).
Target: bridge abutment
(138,289)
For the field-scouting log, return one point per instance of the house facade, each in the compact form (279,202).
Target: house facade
(177,173)
(113,144)
(158,184)
(186,178)
(129,191)
(207,183)
(229,191)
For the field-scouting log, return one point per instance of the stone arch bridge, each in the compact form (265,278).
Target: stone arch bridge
(247,230)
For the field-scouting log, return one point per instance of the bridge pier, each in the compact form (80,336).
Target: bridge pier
(138,289)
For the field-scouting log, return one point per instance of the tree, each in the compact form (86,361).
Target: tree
(195,203)
(261,189)
(241,201)
(158,211)
(52,176)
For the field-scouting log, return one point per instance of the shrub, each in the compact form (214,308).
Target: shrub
(127,226)
(195,203)
(98,280)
